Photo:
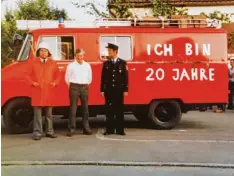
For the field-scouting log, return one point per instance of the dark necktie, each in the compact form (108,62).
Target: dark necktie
(44,60)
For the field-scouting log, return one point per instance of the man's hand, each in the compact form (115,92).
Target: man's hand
(102,93)
(125,93)
(53,84)
(35,84)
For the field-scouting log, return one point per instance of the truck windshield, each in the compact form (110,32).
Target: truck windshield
(24,52)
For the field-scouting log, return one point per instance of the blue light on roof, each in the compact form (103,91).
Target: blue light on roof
(61,21)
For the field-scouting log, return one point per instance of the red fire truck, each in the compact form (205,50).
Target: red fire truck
(173,67)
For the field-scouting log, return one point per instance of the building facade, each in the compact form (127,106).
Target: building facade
(142,8)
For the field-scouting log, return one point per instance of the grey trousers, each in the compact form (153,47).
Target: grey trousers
(77,92)
(38,124)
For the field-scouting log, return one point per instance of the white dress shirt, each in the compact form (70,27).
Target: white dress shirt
(42,60)
(115,60)
(78,73)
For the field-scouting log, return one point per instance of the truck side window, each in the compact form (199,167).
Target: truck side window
(124,43)
(61,47)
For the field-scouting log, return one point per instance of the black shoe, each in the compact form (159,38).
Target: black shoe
(108,133)
(121,133)
(87,132)
(36,138)
(51,135)
(70,134)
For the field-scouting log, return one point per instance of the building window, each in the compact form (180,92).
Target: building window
(61,47)
(124,43)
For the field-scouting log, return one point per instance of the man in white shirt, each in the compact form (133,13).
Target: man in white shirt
(78,77)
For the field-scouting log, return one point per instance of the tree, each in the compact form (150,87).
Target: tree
(27,10)
(38,10)
(224,17)
(120,9)
(166,9)
(116,8)
(8,27)
(55,13)
(94,9)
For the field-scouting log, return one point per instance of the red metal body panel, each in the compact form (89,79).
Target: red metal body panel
(209,85)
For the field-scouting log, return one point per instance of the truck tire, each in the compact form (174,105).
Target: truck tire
(165,114)
(18,116)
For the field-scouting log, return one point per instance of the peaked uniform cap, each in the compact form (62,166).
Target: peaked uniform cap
(112,46)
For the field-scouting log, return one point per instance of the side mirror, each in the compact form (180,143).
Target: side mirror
(17,39)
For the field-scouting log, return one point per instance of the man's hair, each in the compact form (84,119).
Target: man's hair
(79,51)
(115,50)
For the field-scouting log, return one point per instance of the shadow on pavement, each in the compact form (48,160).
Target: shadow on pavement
(130,122)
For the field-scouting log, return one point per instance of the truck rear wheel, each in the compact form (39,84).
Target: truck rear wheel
(18,116)
(165,114)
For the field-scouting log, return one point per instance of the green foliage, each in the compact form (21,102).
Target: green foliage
(116,8)
(38,10)
(55,13)
(91,8)
(225,18)
(120,9)
(166,9)
(8,27)
(27,10)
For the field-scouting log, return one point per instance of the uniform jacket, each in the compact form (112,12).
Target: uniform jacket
(44,74)
(114,76)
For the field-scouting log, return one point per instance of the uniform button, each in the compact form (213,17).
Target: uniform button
(113,80)
(113,70)
(113,75)
(113,85)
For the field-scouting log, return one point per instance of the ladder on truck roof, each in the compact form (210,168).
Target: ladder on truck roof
(111,22)
(163,23)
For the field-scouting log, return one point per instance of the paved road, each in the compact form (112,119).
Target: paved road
(201,140)
(114,171)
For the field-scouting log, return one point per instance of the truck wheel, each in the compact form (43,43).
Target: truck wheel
(18,116)
(165,114)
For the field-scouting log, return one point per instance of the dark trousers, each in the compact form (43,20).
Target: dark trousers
(37,122)
(77,92)
(231,97)
(114,102)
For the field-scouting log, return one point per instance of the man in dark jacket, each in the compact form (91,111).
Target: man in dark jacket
(114,86)
(231,82)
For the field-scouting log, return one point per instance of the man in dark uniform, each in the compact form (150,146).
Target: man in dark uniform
(114,86)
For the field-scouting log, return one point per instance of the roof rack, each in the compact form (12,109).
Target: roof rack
(111,22)
(164,23)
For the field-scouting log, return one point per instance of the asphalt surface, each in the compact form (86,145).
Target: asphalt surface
(113,171)
(203,144)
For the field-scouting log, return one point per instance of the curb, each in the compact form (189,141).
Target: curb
(114,163)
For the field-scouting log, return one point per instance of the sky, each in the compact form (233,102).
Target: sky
(73,12)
